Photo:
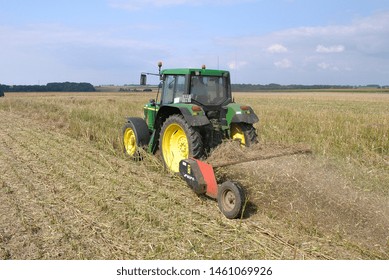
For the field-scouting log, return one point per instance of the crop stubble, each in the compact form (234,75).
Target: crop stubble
(63,195)
(64,199)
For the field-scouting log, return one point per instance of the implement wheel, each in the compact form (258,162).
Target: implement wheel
(179,141)
(231,199)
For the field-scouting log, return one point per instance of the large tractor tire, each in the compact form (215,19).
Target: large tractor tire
(179,141)
(245,133)
(135,136)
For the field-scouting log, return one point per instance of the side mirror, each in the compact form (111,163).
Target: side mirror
(143,79)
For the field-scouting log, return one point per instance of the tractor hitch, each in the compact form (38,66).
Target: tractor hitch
(201,178)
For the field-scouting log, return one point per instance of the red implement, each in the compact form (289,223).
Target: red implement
(199,176)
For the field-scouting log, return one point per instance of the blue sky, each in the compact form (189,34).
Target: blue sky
(259,41)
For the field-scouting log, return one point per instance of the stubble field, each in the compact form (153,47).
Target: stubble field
(68,192)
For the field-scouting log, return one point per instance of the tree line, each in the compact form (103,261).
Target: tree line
(87,87)
(257,87)
(55,87)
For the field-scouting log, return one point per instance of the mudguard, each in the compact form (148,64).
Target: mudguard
(191,118)
(245,117)
(141,131)
(235,114)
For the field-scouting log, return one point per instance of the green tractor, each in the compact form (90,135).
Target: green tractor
(193,115)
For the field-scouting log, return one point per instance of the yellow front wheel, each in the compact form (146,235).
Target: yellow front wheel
(129,141)
(179,141)
(245,133)
(135,136)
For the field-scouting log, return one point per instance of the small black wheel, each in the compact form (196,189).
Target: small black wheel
(231,199)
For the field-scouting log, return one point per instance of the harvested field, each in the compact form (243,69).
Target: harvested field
(310,194)
(67,191)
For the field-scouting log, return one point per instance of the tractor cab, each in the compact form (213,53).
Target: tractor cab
(203,87)
(200,94)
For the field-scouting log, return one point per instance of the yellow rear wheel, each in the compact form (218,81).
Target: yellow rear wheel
(175,146)
(179,141)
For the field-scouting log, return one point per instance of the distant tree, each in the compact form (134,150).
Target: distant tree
(373,86)
(70,87)
(56,87)
(272,86)
(4,88)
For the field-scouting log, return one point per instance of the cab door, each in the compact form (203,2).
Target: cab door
(174,87)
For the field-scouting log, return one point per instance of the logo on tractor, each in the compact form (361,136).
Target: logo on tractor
(189,177)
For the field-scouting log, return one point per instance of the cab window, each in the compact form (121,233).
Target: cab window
(173,88)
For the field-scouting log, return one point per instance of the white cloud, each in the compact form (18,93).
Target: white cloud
(283,64)
(323,65)
(317,54)
(233,65)
(358,50)
(327,66)
(59,36)
(277,48)
(330,49)
(47,53)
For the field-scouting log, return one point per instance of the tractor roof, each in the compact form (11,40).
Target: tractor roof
(195,71)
